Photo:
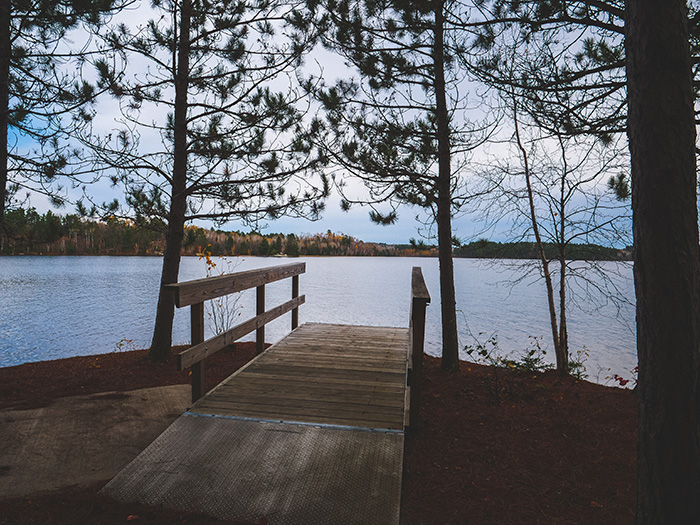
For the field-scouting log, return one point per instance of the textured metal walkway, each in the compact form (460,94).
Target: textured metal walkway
(310,431)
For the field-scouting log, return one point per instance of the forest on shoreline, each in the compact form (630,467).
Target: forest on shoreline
(28,232)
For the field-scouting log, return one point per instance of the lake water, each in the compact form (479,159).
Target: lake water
(53,307)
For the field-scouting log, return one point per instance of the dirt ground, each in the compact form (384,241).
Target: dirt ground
(494,446)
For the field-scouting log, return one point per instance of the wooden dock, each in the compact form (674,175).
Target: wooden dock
(335,375)
(310,431)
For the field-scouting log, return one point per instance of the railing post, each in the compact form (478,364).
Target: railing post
(197,333)
(295,294)
(419,302)
(260,309)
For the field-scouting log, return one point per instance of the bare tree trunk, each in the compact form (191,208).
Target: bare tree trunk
(450,344)
(5,52)
(562,363)
(163,330)
(661,132)
(563,349)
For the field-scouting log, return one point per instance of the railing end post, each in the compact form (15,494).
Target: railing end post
(419,303)
(198,381)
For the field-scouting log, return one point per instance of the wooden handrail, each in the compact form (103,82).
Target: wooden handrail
(204,349)
(416,341)
(194,293)
(200,290)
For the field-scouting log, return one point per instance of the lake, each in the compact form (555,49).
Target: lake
(53,307)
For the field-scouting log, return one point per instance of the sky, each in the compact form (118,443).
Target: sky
(356,222)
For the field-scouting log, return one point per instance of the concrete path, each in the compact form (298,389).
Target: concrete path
(77,441)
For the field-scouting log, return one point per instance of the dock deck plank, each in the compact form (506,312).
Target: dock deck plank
(331,372)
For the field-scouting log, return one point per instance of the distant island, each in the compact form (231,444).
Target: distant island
(29,233)
(484,249)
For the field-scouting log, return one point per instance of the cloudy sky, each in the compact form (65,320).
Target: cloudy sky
(356,222)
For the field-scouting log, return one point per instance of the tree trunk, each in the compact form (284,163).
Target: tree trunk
(163,330)
(450,344)
(562,362)
(563,355)
(661,132)
(5,52)
(563,348)
(562,366)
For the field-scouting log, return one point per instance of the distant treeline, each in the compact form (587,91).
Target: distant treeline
(484,249)
(30,233)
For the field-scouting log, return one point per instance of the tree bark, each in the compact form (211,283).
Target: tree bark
(562,360)
(5,53)
(661,133)
(450,344)
(163,330)
(563,350)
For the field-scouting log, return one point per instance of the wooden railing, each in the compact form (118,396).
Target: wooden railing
(194,293)
(416,340)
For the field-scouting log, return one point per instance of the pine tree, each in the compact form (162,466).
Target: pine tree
(231,147)
(667,260)
(277,247)
(564,60)
(291,247)
(401,125)
(264,248)
(43,97)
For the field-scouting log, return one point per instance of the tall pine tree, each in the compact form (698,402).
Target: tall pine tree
(564,60)
(43,98)
(212,127)
(400,124)
(667,260)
